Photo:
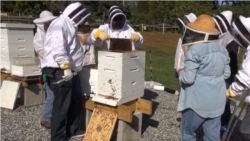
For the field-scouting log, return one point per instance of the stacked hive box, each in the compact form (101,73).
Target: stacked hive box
(16,41)
(89,80)
(25,66)
(120,77)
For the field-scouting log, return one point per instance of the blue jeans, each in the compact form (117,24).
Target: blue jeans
(47,110)
(191,122)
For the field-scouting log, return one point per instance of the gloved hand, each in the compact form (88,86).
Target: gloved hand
(232,93)
(65,65)
(102,35)
(134,37)
(67,75)
(40,54)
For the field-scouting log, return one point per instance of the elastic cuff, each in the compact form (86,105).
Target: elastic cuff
(97,33)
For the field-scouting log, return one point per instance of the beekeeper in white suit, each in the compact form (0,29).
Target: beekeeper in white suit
(62,56)
(179,54)
(43,23)
(241,34)
(115,28)
(223,24)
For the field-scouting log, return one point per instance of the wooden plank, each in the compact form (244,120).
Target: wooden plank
(144,106)
(141,105)
(24,81)
(124,112)
(101,125)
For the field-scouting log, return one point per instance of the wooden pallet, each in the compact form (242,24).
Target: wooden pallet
(25,81)
(124,111)
(101,125)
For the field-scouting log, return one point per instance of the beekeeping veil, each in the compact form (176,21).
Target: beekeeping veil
(202,30)
(117,18)
(182,22)
(223,21)
(240,31)
(75,9)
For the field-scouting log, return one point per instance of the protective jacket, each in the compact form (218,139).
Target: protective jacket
(243,75)
(203,86)
(61,43)
(38,38)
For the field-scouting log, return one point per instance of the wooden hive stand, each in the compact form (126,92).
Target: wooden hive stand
(25,81)
(105,117)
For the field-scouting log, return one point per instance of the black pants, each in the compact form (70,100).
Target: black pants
(245,125)
(67,105)
(225,117)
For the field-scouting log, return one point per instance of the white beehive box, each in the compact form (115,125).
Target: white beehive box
(89,80)
(16,33)
(6,65)
(25,66)
(120,77)
(8,56)
(16,41)
(17,48)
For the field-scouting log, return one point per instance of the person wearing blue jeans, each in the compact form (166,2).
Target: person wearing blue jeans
(43,23)
(191,121)
(206,66)
(48,106)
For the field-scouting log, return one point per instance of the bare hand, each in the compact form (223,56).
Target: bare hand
(179,71)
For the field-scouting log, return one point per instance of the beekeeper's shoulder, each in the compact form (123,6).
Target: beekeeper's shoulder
(59,22)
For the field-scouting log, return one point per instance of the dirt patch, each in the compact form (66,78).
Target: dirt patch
(162,40)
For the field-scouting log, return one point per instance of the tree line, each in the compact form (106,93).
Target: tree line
(137,12)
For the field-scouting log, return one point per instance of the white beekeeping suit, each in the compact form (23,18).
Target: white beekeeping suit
(66,48)
(122,30)
(179,54)
(38,39)
(241,34)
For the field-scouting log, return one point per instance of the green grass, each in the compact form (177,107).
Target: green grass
(162,66)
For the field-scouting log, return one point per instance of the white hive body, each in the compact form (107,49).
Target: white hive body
(89,80)
(25,66)
(16,41)
(120,77)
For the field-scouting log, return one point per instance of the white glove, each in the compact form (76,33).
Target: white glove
(40,54)
(67,75)
(247,100)
(65,65)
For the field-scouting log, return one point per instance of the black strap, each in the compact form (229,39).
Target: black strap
(225,21)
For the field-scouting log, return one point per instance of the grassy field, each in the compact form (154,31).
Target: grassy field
(162,46)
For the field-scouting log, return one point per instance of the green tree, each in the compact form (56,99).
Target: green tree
(28,7)
(7,6)
(197,7)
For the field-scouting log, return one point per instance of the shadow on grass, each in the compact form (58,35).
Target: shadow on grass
(146,120)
